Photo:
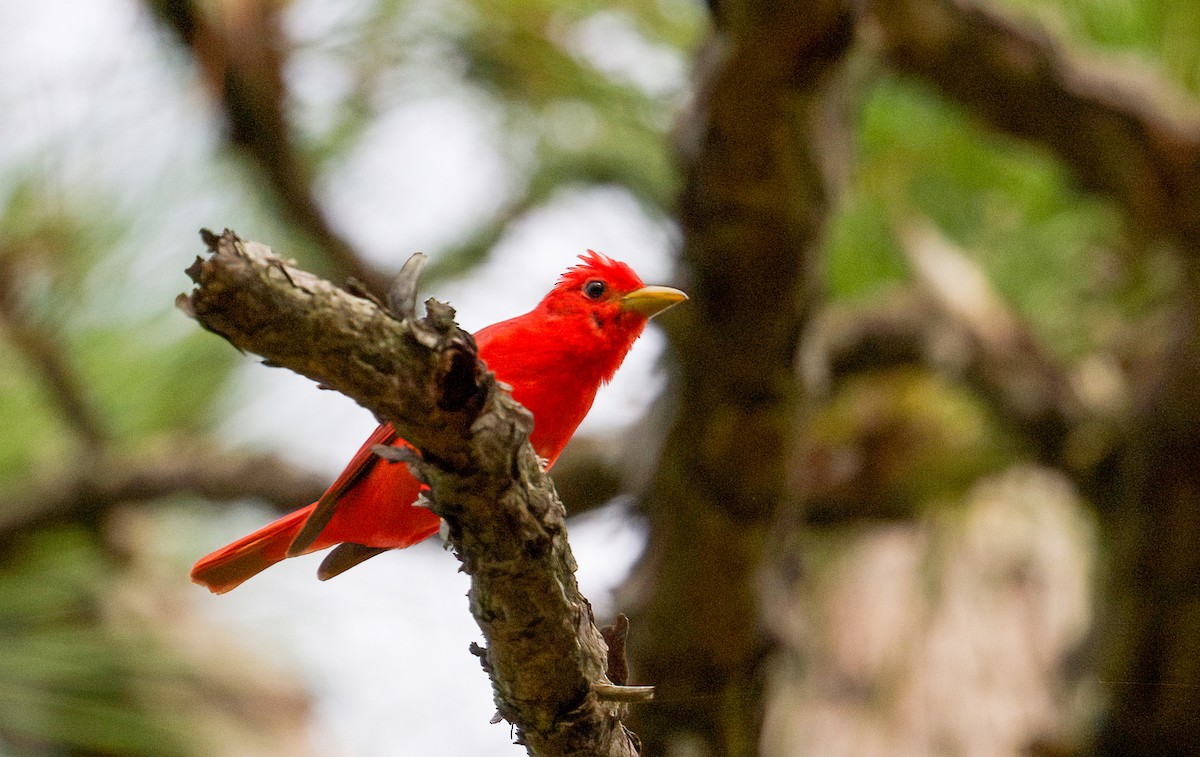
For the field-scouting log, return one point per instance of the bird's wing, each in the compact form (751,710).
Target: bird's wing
(326,506)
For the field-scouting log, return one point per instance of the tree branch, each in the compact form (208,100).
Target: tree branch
(544,653)
(46,354)
(1005,360)
(240,51)
(1113,135)
(85,488)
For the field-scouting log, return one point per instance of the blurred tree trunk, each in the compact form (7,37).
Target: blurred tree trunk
(753,211)
(1150,616)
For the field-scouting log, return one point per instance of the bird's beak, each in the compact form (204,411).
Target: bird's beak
(652,300)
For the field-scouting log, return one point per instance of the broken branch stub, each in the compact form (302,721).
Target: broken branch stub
(402,297)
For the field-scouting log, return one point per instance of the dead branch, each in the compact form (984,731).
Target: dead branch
(505,522)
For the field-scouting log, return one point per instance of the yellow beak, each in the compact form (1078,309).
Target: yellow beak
(652,300)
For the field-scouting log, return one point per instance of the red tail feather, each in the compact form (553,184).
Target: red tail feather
(229,566)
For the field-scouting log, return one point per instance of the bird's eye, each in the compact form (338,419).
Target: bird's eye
(594,289)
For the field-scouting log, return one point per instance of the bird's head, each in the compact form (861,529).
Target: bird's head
(602,306)
(610,293)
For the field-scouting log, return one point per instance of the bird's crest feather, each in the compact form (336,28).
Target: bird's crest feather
(597,265)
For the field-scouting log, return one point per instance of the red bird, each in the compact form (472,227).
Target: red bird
(555,357)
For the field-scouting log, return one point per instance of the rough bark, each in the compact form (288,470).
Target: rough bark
(544,654)
(753,209)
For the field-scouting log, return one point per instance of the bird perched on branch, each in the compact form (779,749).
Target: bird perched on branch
(555,358)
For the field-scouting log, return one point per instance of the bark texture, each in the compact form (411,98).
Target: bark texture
(544,655)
